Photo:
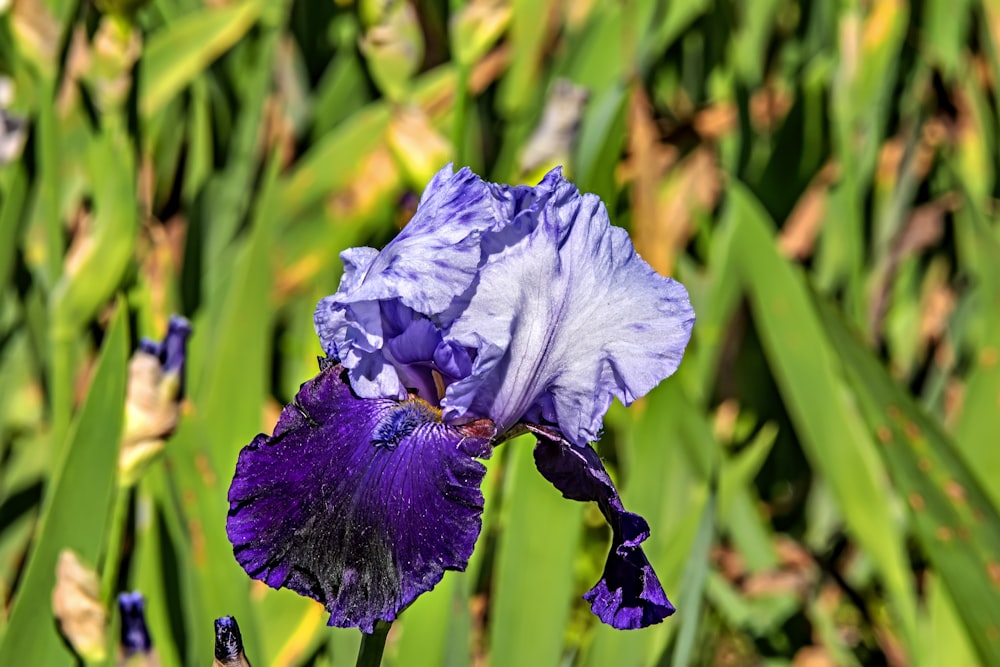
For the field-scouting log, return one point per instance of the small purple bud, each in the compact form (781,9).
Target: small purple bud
(229,644)
(172,352)
(155,390)
(134,633)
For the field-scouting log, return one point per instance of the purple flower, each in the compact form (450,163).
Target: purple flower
(496,310)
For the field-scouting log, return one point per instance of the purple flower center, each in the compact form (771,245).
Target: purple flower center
(402,420)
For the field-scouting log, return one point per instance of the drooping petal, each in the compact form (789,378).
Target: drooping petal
(629,595)
(361,504)
(566,317)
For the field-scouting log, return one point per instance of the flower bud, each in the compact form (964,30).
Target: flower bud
(152,407)
(77,607)
(13,128)
(229,644)
(552,141)
(134,633)
(417,146)
(116,48)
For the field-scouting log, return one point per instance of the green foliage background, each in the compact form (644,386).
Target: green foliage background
(822,476)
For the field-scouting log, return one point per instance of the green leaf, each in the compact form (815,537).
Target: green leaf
(978,418)
(958,527)
(695,574)
(832,434)
(533,585)
(436,630)
(76,507)
(102,259)
(181,51)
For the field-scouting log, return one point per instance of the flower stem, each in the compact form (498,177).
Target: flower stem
(461,110)
(109,576)
(372,645)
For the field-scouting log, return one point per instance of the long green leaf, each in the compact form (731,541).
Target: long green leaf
(533,586)
(182,50)
(957,525)
(832,434)
(77,506)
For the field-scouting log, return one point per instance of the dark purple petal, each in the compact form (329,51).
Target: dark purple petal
(629,595)
(134,633)
(361,504)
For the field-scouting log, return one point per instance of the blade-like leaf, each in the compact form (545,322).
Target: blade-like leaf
(957,526)
(832,434)
(76,508)
(181,51)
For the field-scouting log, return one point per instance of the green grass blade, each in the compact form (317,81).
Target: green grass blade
(76,507)
(978,419)
(832,434)
(695,574)
(956,524)
(533,587)
(182,50)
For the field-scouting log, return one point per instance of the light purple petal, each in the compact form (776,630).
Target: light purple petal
(566,315)
(629,595)
(452,360)
(361,504)
(410,353)
(424,271)
(435,257)
(332,319)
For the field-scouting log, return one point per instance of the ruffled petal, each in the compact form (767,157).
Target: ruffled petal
(335,324)
(361,504)
(435,257)
(629,595)
(570,317)
(423,272)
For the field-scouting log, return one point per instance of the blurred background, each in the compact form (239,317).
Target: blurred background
(822,476)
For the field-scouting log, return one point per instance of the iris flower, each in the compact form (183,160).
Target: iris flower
(496,311)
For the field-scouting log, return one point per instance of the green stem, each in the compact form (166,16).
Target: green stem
(109,576)
(61,387)
(372,645)
(461,110)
